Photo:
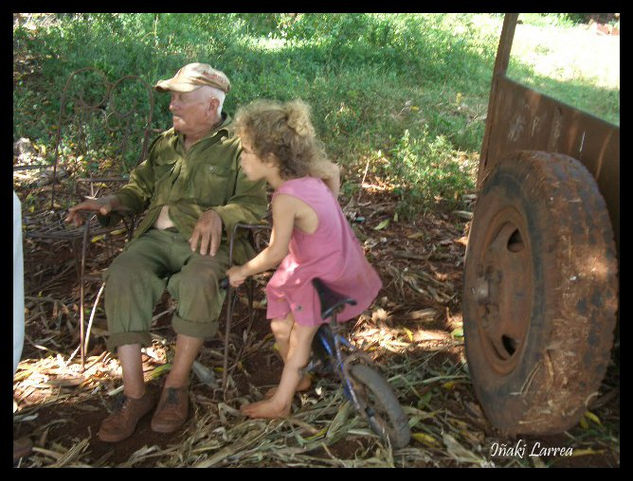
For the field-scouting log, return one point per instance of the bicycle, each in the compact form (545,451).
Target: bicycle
(363,385)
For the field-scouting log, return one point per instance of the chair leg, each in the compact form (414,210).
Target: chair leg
(227,331)
(229,307)
(250,292)
(250,289)
(76,249)
(82,351)
(92,316)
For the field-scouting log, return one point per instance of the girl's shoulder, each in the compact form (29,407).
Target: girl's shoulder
(299,185)
(310,190)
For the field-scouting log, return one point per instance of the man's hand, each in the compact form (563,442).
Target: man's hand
(103,206)
(207,231)
(236,276)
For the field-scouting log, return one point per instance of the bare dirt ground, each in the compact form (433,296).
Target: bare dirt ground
(413,333)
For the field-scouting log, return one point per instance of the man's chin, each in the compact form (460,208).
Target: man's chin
(177,124)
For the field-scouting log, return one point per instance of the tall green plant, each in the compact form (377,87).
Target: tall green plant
(368,78)
(427,170)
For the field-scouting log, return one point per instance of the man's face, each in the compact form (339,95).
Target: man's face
(191,111)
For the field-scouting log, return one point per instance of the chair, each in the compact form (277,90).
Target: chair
(103,127)
(254,231)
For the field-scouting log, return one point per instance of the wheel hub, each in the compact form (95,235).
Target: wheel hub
(503,290)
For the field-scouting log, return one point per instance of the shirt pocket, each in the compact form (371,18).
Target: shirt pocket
(164,167)
(212,184)
(166,170)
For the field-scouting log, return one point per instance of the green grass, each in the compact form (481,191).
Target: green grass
(572,64)
(403,95)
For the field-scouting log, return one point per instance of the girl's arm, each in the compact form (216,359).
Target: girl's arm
(329,172)
(284,209)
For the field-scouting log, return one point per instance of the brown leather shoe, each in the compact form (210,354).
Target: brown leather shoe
(172,410)
(122,422)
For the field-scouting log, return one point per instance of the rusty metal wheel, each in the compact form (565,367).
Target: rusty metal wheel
(540,293)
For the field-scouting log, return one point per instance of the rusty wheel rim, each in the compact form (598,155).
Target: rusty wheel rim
(503,290)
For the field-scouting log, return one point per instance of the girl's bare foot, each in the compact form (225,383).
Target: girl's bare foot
(303,385)
(265,409)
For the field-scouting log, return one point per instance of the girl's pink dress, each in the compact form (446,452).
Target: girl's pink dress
(331,253)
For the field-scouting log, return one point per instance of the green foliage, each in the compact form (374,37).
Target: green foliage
(576,18)
(368,77)
(427,170)
(549,19)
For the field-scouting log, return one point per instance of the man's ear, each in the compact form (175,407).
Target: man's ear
(213,105)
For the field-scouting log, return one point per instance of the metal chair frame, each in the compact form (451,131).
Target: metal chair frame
(231,296)
(83,109)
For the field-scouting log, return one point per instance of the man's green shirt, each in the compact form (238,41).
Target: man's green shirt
(208,176)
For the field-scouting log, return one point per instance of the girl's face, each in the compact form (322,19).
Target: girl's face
(254,167)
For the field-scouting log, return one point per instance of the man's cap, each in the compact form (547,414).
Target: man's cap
(192,77)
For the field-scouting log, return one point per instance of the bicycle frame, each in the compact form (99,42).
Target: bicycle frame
(341,366)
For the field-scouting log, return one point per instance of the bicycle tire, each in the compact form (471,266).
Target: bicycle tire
(380,405)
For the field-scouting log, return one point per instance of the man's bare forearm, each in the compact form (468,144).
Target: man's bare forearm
(110,200)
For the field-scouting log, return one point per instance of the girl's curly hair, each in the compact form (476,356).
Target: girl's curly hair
(284,130)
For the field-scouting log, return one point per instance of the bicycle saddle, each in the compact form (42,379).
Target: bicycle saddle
(331,301)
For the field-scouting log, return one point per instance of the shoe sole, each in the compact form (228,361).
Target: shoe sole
(157,428)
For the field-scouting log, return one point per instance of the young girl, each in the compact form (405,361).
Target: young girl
(310,237)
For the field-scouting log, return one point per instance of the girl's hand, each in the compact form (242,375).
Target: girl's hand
(236,276)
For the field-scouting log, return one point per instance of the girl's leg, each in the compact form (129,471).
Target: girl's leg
(281,329)
(298,354)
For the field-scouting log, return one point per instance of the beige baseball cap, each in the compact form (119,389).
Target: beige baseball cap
(193,76)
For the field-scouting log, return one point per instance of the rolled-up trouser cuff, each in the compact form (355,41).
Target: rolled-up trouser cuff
(117,339)
(200,330)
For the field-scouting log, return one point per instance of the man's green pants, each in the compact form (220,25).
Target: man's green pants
(137,279)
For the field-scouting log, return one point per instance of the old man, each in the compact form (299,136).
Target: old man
(194,192)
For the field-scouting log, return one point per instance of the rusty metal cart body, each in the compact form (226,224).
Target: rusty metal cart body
(540,295)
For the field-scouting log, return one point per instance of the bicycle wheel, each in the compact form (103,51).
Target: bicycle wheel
(380,405)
